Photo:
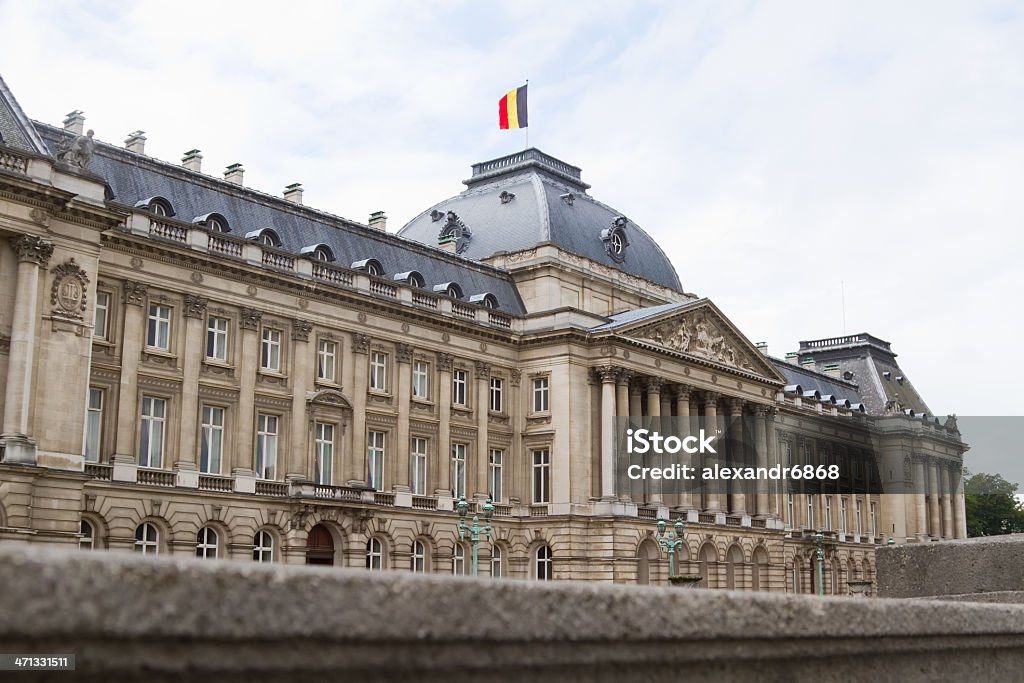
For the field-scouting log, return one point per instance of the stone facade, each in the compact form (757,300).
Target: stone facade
(171,386)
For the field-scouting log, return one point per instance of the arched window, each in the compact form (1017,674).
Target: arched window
(708,558)
(760,573)
(374,554)
(449,289)
(418,559)
(158,206)
(206,543)
(265,236)
(88,539)
(411,278)
(370,266)
(542,563)
(497,562)
(263,547)
(734,569)
(487,300)
(147,539)
(158,209)
(646,554)
(459,560)
(215,225)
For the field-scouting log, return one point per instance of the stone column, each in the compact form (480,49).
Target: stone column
(191,361)
(33,254)
(444,438)
(920,486)
(483,387)
(622,394)
(609,375)
(131,350)
(401,466)
(761,443)
(355,464)
(737,498)
(682,396)
(713,500)
(243,456)
(947,503)
(933,499)
(297,462)
(777,495)
(959,512)
(653,387)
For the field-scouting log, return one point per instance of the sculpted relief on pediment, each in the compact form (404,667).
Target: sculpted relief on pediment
(697,335)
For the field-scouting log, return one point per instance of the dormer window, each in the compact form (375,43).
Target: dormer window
(455,234)
(158,206)
(487,300)
(265,236)
(318,252)
(615,240)
(449,289)
(411,278)
(369,266)
(214,222)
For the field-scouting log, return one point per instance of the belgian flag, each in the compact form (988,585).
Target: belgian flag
(512,109)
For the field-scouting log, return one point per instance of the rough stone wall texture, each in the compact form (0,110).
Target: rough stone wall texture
(952,568)
(134,618)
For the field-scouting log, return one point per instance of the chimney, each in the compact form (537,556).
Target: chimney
(233,174)
(793,357)
(136,142)
(378,221)
(75,122)
(763,347)
(808,363)
(449,244)
(192,160)
(293,193)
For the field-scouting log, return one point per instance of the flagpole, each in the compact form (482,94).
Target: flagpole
(527,129)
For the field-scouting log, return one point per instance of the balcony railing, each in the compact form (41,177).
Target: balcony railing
(99,471)
(462,310)
(423,299)
(383,289)
(706,518)
(539,510)
(424,503)
(277,260)
(156,477)
(502,510)
(212,482)
(13,162)
(322,271)
(271,488)
(647,513)
(223,245)
(381,498)
(167,231)
(336,493)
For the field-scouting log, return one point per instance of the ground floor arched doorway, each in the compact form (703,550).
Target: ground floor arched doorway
(320,546)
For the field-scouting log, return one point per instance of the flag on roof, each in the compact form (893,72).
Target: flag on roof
(512,109)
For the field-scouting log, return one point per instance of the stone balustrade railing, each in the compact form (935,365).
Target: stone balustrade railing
(128,617)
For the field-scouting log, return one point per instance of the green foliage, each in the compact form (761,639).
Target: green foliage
(991,507)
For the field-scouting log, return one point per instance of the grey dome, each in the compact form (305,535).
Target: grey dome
(529,198)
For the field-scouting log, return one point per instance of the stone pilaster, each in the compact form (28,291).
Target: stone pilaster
(298,460)
(243,455)
(194,312)
(131,350)
(482,371)
(609,375)
(444,440)
(400,472)
(355,464)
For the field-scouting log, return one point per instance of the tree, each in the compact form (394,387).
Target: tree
(991,506)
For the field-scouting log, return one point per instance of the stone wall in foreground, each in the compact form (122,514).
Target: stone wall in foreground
(988,569)
(133,618)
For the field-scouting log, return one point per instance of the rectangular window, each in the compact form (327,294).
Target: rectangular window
(810,513)
(151,432)
(375,460)
(378,371)
(101,316)
(421,380)
(828,513)
(158,333)
(418,465)
(458,387)
(787,452)
(270,350)
(266,446)
(326,361)
(842,515)
(540,395)
(497,398)
(542,476)
(872,510)
(324,452)
(458,469)
(211,449)
(857,527)
(790,511)
(93,425)
(495,462)
(217,338)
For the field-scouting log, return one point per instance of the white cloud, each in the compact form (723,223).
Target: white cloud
(775,150)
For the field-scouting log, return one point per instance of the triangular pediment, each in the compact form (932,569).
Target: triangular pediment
(701,330)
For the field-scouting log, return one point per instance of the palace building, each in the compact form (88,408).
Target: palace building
(193,367)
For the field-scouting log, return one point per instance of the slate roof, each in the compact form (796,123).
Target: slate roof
(811,380)
(639,314)
(134,178)
(538,214)
(15,128)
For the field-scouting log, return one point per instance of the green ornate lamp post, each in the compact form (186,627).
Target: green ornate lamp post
(671,543)
(819,538)
(475,530)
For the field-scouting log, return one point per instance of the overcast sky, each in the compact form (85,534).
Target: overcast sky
(779,152)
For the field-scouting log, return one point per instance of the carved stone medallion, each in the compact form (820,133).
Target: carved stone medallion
(68,293)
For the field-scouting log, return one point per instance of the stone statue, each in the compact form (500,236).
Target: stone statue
(78,151)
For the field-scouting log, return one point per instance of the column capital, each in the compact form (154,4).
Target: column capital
(483,369)
(361,343)
(653,385)
(135,292)
(514,376)
(250,318)
(195,306)
(32,249)
(711,397)
(301,329)
(403,353)
(682,392)
(445,361)
(736,407)
(608,373)
(625,376)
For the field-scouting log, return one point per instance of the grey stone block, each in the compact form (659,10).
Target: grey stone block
(134,618)
(973,565)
